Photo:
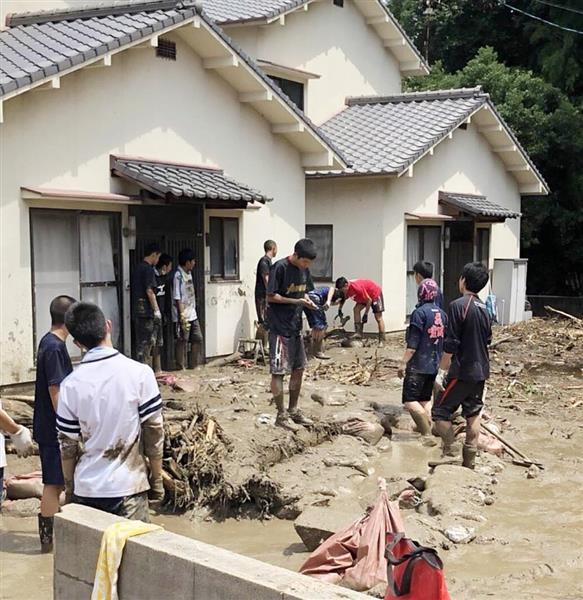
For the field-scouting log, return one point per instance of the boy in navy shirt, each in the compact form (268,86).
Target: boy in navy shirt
(423,354)
(52,366)
(465,365)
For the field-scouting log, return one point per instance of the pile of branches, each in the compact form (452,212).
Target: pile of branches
(357,372)
(194,450)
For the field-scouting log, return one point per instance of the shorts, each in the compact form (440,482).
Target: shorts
(144,329)
(468,394)
(378,305)
(261,308)
(50,460)
(286,354)
(158,333)
(316,319)
(417,387)
(133,507)
(194,334)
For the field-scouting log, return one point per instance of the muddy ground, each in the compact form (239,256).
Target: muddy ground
(237,481)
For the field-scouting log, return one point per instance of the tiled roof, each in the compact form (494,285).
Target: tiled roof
(478,206)
(384,135)
(184,181)
(229,11)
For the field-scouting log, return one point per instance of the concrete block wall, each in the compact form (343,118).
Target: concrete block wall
(165,565)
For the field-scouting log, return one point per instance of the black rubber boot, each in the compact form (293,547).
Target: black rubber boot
(469,456)
(45,532)
(358,330)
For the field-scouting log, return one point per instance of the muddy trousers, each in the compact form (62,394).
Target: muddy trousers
(194,339)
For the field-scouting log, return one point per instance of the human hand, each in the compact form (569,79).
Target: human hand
(156,492)
(401,370)
(157,315)
(22,441)
(307,303)
(326,306)
(438,386)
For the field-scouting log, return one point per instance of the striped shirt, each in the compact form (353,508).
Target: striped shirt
(102,404)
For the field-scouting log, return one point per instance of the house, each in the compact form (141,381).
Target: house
(220,126)
(124,126)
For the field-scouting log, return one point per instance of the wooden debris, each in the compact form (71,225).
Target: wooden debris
(510,446)
(564,314)
(226,360)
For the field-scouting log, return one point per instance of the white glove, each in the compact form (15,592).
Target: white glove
(438,385)
(157,315)
(22,441)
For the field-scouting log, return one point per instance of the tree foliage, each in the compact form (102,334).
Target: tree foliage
(534,75)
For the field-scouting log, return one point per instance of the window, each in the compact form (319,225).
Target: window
(321,269)
(292,89)
(224,248)
(166,49)
(423,243)
(483,246)
(78,254)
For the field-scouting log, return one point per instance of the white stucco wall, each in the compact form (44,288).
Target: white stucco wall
(464,164)
(335,43)
(149,107)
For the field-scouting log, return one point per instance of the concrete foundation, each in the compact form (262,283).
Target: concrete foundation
(165,565)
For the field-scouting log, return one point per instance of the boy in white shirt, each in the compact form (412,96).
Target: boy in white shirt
(184,315)
(110,424)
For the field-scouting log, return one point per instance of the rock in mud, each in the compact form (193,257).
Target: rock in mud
(316,524)
(458,534)
(319,398)
(351,343)
(369,432)
(533,472)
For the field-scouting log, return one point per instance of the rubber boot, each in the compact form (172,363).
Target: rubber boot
(358,330)
(381,339)
(469,456)
(180,356)
(448,440)
(195,356)
(45,532)
(157,362)
(422,423)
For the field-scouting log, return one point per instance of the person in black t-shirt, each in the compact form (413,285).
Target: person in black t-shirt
(163,289)
(465,365)
(261,280)
(145,306)
(287,296)
(52,366)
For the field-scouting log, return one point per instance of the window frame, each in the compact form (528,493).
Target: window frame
(225,278)
(329,227)
(278,80)
(478,247)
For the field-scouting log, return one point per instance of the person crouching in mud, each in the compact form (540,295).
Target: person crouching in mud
(287,296)
(465,365)
(423,354)
(323,298)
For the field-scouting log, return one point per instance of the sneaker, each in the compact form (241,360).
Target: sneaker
(297,416)
(284,421)
(321,356)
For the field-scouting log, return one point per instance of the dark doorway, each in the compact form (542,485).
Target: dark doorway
(458,252)
(174,228)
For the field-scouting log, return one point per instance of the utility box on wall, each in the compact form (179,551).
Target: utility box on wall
(509,285)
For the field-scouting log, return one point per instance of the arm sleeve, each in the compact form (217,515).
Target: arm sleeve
(263,268)
(151,282)
(415,330)
(454,329)
(153,436)
(67,419)
(176,295)
(274,283)
(55,367)
(150,404)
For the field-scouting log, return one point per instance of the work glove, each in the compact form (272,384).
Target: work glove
(156,492)
(184,326)
(157,315)
(326,306)
(340,314)
(365,318)
(438,386)
(22,441)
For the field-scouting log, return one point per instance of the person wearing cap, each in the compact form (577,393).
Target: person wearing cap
(420,362)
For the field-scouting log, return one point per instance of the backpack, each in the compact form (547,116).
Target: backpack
(414,572)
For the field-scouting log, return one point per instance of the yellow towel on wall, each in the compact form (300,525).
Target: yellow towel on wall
(110,554)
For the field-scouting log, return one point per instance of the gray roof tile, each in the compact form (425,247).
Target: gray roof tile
(477,205)
(230,11)
(384,135)
(184,181)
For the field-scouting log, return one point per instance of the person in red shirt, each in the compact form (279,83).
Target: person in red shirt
(367,295)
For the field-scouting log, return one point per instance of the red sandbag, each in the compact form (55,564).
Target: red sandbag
(415,572)
(355,555)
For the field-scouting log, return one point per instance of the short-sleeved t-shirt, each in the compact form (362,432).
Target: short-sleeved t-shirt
(183,290)
(288,281)
(425,335)
(320,295)
(360,290)
(263,267)
(144,279)
(162,285)
(103,404)
(469,333)
(53,364)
